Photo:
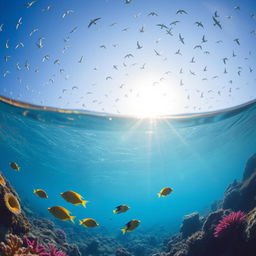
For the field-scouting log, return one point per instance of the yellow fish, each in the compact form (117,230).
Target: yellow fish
(61,213)
(2,180)
(121,208)
(15,166)
(165,191)
(89,223)
(41,193)
(130,226)
(74,198)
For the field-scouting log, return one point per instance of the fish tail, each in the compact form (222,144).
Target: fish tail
(34,191)
(84,203)
(72,218)
(114,211)
(123,230)
(80,222)
(159,194)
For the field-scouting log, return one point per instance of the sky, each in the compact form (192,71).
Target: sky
(133,60)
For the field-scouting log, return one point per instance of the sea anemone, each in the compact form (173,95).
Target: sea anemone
(230,224)
(2,180)
(12,203)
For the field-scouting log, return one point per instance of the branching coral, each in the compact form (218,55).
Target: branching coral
(53,251)
(35,248)
(13,247)
(229,224)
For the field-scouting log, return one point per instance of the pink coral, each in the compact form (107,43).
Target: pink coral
(229,224)
(35,247)
(53,251)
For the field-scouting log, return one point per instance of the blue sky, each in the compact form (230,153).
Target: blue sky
(144,84)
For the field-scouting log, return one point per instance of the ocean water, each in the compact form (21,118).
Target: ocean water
(112,160)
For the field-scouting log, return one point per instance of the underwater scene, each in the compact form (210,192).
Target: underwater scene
(127,128)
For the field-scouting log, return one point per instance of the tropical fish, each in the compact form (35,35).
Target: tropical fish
(165,191)
(15,166)
(73,198)
(121,208)
(41,193)
(61,213)
(130,226)
(89,223)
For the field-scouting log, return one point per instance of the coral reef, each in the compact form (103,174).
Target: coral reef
(14,247)
(227,231)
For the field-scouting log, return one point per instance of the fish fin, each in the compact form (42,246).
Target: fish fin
(72,218)
(84,203)
(159,194)
(123,230)
(114,211)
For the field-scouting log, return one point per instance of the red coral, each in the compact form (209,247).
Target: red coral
(229,224)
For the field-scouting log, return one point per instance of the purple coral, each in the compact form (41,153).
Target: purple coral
(230,223)
(61,234)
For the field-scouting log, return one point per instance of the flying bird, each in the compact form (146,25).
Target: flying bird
(128,55)
(178,52)
(73,30)
(67,13)
(216,15)
(203,39)
(19,22)
(47,8)
(93,22)
(181,12)
(181,39)
(1,27)
(198,47)
(142,29)
(237,41)
(157,53)
(6,58)
(138,45)
(225,60)
(81,59)
(216,22)
(199,24)
(152,14)
(162,26)
(174,22)
(27,5)
(7,44)
(19,45)
(33,31)
(169,32)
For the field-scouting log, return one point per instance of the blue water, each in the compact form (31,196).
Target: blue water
(113,161)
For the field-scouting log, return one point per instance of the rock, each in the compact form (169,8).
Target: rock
(241,196)
(250,167)
(251,229)
(122,252)
(10,222)
(191,224)
(212,221)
